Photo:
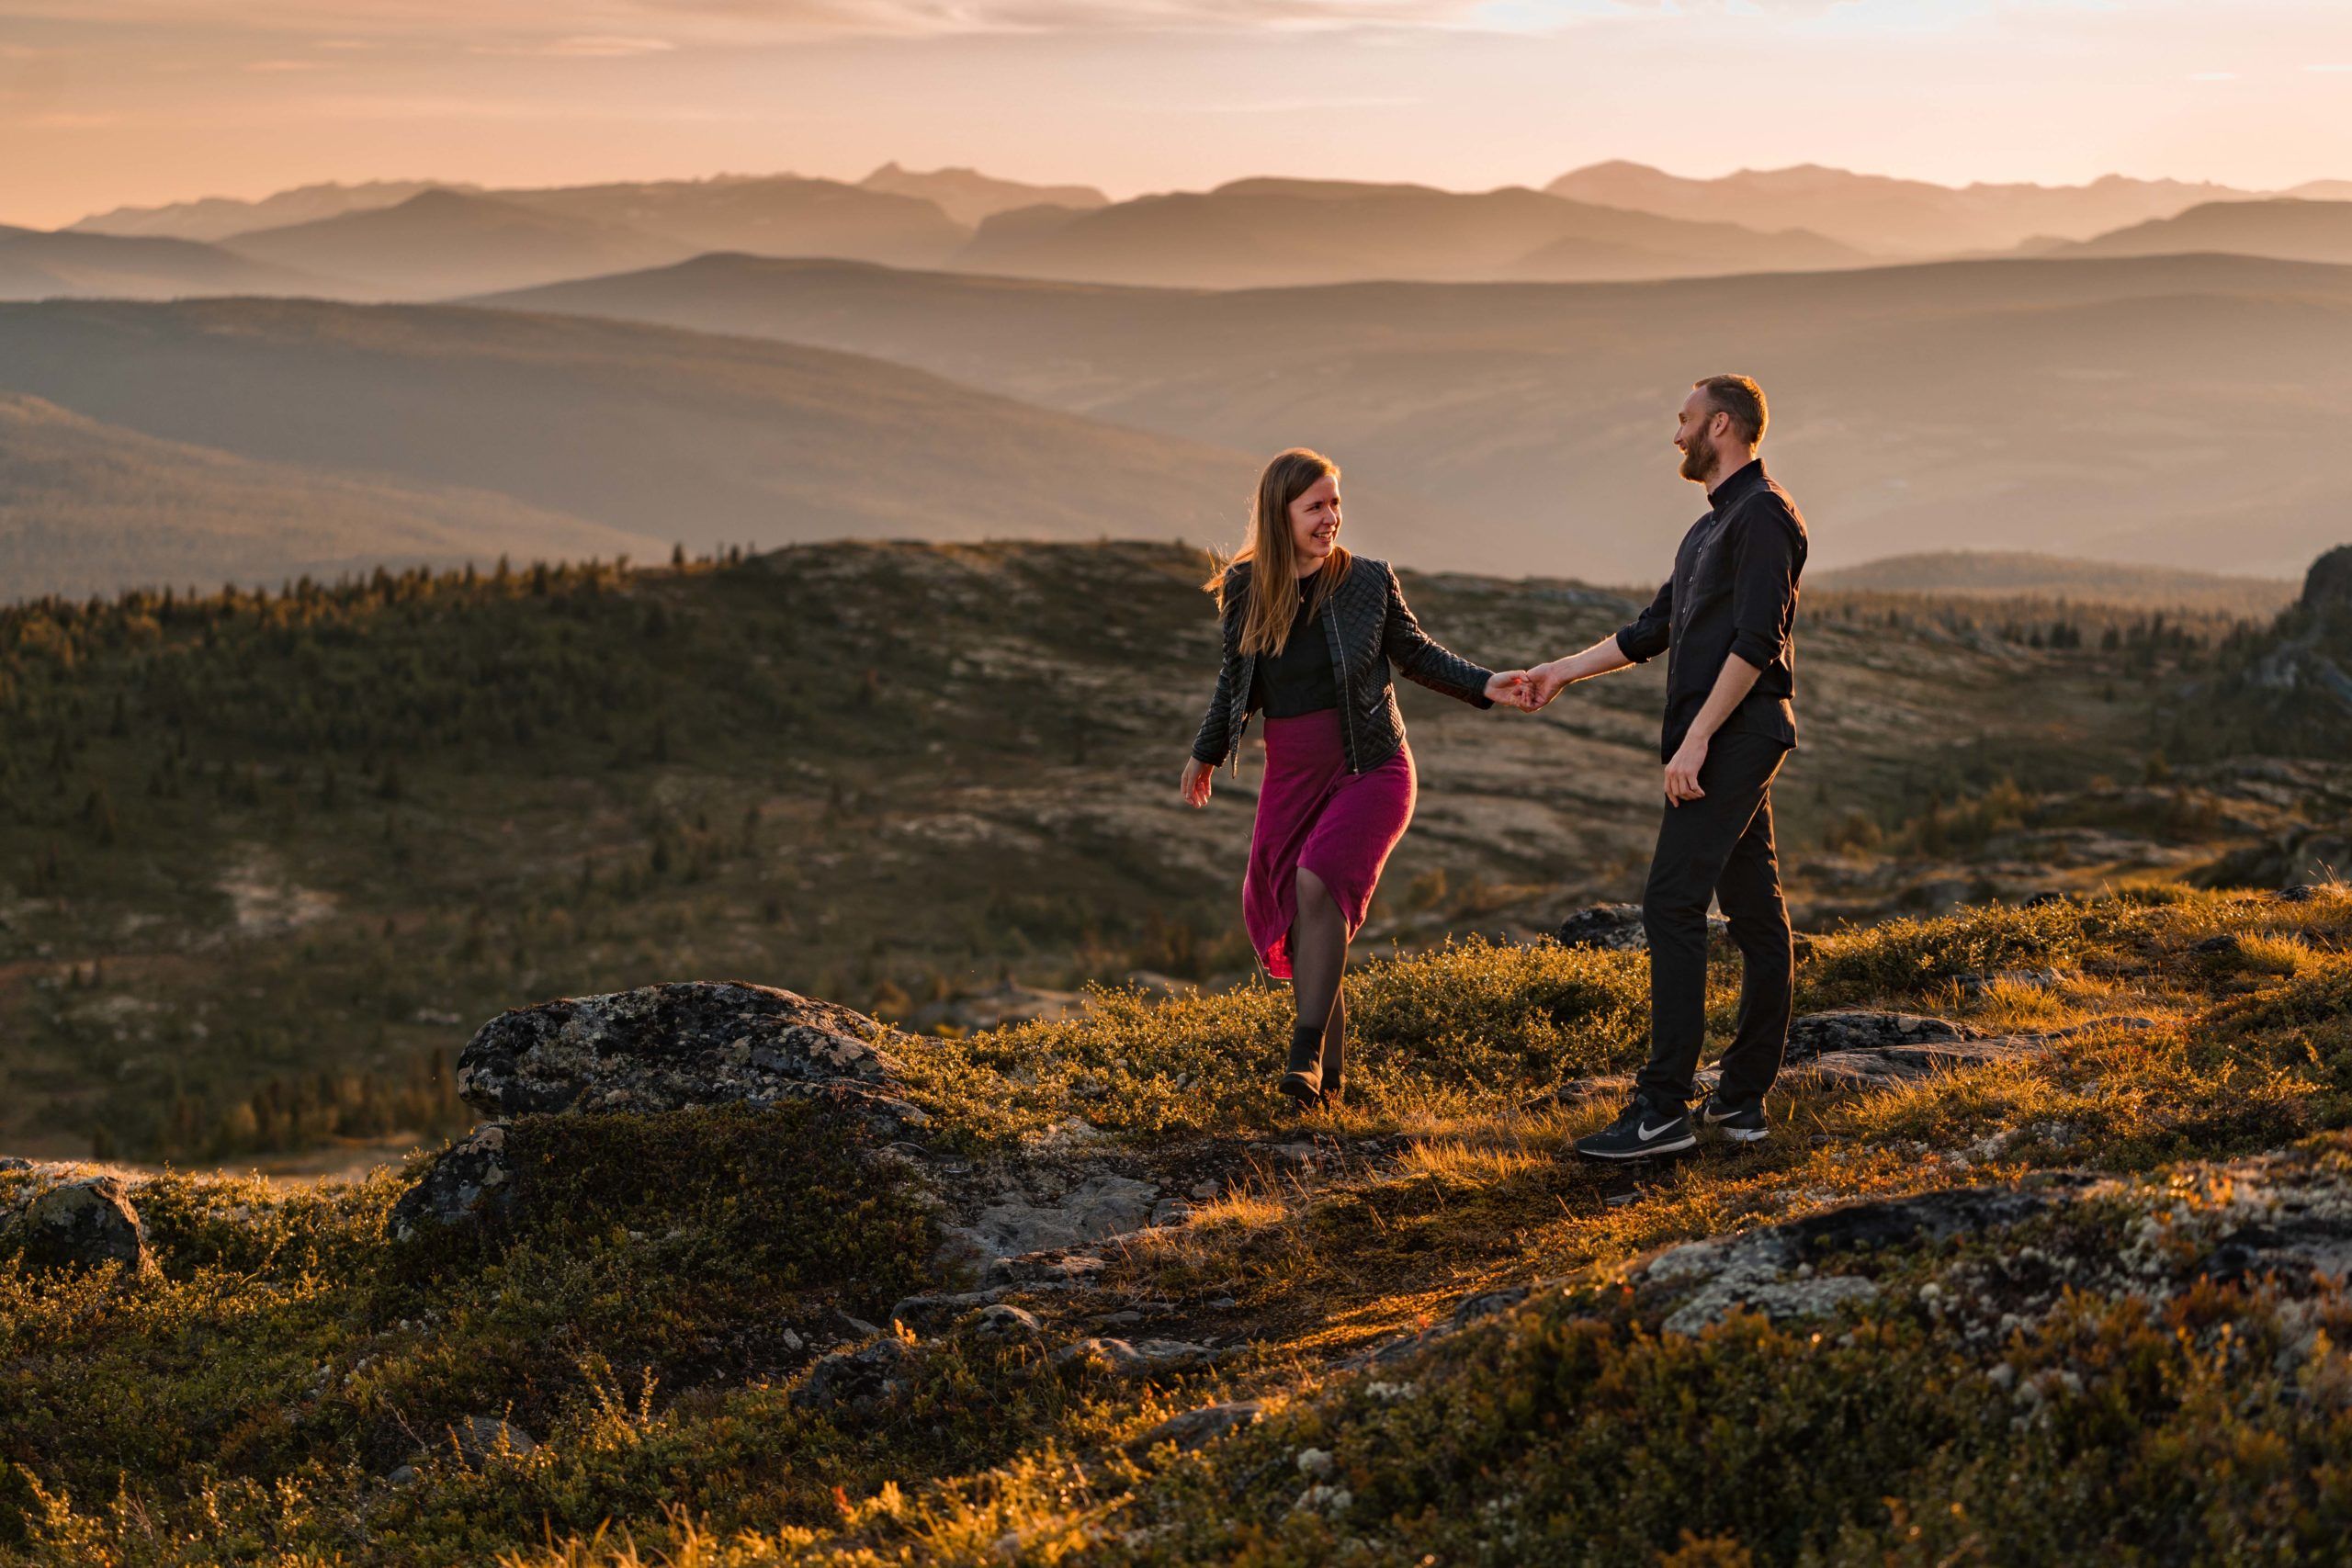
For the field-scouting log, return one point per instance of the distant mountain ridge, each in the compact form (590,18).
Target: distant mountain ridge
(1254,233)
(1888,215)
(218,217)
(445,242)
(36,264)
(2288,229)
(969,197)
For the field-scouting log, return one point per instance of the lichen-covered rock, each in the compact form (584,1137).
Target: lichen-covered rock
(481,1438)
(1855,1029)
(1135,1359)
(678,1046)
(469,1180)
(1002,1324)
(859,1377)
(1617,928)
(1189,1429)
(1038,1212)
(85,1224)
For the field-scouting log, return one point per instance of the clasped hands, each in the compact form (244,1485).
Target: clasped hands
(1526,690)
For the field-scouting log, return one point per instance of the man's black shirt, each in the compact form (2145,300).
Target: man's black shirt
(1734,590)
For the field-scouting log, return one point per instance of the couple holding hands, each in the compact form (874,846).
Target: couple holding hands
(1310,632)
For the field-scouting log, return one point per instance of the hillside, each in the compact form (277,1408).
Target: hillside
(2119,410)
(258,856)
(216,218)
(2289,231)
(2024,574)
(442,242)
(645,430)
(776,215)
(90,509)
(2032,1269)
(971,197)
(1270,233)
(36,265)
(1891,217)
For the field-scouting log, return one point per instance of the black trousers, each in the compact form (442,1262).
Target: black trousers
(1719,847)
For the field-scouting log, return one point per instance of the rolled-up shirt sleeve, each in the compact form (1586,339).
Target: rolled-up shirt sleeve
(1647,635)
(1765,563)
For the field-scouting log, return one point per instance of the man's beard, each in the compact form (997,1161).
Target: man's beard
(1697,458)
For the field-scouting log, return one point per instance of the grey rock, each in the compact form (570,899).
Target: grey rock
(1617,928)
(1855,1029)
(471,1179)
(1002,1324)
(1892,1065)
(934,1313)
(405,1476)
(675,1046)
(1034,1212)
(13,1163)
(1057,1269)
(1488,1303)
(1135,1358)
(1171,1211)
(1198,1428)
(858,1378)
(86,1224)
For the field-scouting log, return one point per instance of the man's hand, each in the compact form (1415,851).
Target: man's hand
(1682,773)
(1195,784)
(1511,686)
(1546,682)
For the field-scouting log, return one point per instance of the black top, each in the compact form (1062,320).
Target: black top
(1301,678)
(1734,590)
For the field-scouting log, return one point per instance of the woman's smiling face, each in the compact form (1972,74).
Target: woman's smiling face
(1315,523)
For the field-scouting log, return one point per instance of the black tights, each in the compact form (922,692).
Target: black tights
(1318,956)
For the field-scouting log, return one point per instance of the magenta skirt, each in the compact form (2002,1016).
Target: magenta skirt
(1312,812)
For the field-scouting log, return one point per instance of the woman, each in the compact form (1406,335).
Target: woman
(1310,631)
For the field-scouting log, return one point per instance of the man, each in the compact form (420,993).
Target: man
(1724,619)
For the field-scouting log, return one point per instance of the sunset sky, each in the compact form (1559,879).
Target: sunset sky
(104,102)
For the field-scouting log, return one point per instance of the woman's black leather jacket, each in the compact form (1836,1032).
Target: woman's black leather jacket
(1369,628)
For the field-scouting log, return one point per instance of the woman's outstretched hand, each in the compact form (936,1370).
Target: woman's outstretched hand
(1515,688)
(1195,784)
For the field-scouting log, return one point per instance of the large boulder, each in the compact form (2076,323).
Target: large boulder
(1617,928)
(87,1225)
(673,1047)
(679,1046)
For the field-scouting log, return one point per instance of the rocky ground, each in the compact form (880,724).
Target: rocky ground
(2043,1261)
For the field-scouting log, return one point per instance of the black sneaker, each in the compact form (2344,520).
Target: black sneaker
(1741,1121)
(1642,1131)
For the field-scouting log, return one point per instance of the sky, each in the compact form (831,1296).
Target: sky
(113,102)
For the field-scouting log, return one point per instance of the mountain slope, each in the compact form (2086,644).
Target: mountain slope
(2125,409)
(968,196)
(88,508)
(639,428)
(1891,217)
(2287,231)
(218,217)
(38,265)
(1268,232)
(440,243)
(780,215)
(2027,574)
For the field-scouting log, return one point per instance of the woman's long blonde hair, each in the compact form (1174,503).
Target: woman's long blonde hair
(1274,585)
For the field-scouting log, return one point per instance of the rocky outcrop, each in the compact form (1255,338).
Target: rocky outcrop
(677,1046)
(670,1047)
(85,1226)
(1617,928)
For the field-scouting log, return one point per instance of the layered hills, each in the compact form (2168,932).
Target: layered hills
(2030,574)
(648,431)
(1892,217)
(38,265)
(2292,230)
(2123,410)
(87,508)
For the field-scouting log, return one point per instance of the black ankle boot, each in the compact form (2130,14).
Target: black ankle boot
(1335,1055)
(1303,1080)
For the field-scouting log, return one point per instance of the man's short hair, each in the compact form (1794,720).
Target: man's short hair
(1740,398)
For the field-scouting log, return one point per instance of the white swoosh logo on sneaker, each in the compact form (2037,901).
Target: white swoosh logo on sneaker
(1649,1132)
